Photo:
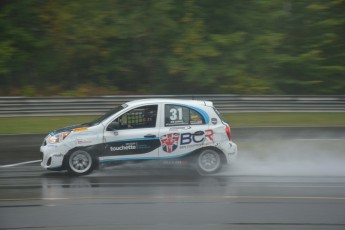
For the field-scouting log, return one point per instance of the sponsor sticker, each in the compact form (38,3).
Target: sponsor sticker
(82,141)
(144,146)
(80,129)
(195,120)
(179,128)
(209,135)
(214,121)
(170,142)
(175,162)
(124,147)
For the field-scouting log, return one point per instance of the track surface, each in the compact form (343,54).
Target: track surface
(162,199)
(276,184)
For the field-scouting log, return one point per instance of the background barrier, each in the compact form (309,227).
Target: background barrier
(69,106)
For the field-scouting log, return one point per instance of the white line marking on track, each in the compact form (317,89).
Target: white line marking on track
(174,197)
(319,139)
(21,163)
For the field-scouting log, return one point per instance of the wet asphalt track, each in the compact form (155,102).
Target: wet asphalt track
(266,189)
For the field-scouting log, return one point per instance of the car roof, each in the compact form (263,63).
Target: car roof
(172,101)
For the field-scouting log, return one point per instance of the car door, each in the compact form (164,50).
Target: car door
(133,135)
(184,129)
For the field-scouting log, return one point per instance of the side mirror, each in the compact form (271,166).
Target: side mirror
(113,126)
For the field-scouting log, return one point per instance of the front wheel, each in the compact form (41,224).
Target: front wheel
(208,162)
(80,163)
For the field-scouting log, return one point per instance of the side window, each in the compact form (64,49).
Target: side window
(141,117)
(196,118)
(179,115)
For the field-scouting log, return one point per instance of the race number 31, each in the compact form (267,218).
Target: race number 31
(175,114)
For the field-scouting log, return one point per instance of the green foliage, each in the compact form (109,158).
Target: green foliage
(86,47)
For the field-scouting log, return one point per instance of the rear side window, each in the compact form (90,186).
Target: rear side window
(176,115)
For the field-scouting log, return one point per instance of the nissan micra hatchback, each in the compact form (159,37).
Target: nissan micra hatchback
(152,129)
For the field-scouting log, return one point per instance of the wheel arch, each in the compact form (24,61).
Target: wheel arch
(94,154)
(220,152)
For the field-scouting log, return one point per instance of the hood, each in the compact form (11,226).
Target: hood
(70,128)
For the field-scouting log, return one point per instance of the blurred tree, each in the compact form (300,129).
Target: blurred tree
(20,45)
(247,42)
(172,46)
(111,42)
(191,52)
(313,48)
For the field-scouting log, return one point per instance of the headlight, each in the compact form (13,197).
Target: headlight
(57,138)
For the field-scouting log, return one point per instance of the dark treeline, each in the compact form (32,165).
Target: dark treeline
(87,47)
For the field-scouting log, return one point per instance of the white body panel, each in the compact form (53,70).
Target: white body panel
(181,128)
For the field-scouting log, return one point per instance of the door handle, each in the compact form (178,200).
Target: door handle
(149,136)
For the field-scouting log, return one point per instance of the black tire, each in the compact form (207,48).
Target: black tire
(208,161)
(80,162)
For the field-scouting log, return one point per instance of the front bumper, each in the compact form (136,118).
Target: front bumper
(52,157)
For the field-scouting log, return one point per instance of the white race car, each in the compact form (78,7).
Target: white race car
(152,129)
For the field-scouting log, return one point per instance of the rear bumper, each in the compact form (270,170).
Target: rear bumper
(230,151)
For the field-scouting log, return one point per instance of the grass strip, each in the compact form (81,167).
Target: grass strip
(20,125)
(285,119)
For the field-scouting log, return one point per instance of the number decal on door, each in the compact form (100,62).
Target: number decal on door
(176,114)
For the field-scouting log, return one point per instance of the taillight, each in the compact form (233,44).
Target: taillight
(228,132)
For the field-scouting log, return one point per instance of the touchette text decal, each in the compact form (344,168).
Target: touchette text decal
(127,146)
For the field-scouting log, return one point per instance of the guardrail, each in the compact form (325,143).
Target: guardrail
(69,106)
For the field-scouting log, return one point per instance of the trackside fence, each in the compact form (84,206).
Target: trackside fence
(70,106)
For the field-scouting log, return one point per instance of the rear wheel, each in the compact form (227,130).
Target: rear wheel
(80,162)
(208,162)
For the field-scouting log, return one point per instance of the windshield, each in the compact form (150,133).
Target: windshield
(107,114)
